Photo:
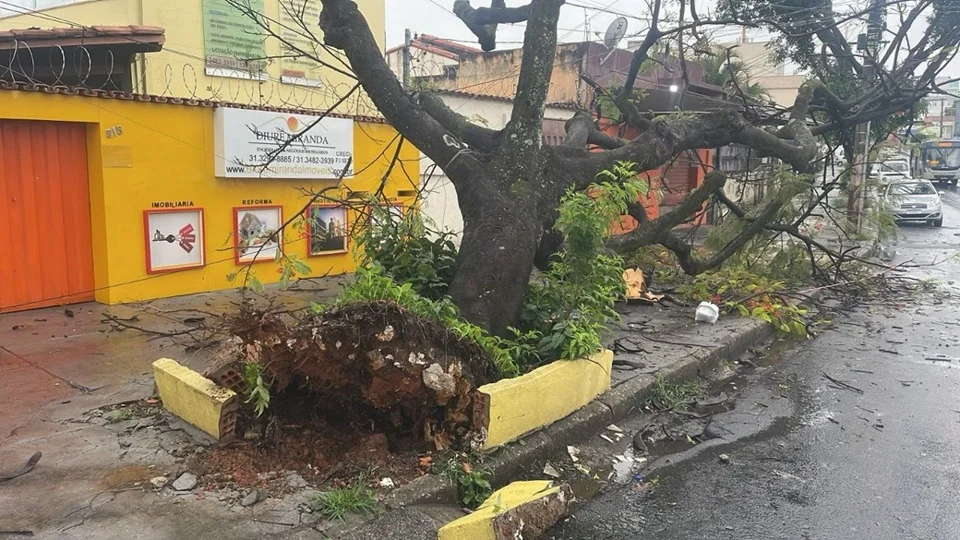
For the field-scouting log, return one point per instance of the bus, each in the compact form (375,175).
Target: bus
(938,161)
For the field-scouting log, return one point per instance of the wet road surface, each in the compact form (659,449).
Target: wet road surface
(873,454)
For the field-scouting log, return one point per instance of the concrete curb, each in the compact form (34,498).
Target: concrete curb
(589,420)
(196,399)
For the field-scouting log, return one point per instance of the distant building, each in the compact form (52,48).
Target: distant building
(773,76)
(430,56)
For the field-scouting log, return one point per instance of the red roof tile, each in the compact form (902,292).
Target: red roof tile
(145,38)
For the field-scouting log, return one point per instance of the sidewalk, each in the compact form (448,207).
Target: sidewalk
(93,478)
(56,365)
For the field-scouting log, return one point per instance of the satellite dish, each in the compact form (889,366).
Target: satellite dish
(615,32)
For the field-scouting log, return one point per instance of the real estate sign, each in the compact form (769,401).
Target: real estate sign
(266,144)
(298,29)
(232,43)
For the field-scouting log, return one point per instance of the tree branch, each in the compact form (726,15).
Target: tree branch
(581,131)
(536,68)
(476,136)
(345,28)
(483,21)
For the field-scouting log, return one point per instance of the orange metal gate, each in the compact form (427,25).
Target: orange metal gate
(46,252)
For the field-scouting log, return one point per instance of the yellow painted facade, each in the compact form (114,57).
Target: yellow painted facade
(479,525)
(166,153)
(520,405)
(179,69)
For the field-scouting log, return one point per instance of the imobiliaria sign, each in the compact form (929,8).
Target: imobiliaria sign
(265,144)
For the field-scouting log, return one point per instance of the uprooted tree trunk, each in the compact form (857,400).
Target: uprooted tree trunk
(413,377)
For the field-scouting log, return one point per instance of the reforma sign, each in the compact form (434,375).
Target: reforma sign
(266,144)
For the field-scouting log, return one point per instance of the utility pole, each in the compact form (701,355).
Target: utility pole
(857,192)
(942,103)
(407,39)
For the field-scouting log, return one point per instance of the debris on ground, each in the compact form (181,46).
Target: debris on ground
(724,458)
(551,471)
(707,312)
(185,482)
(27,467)
(250,499)
(158,481)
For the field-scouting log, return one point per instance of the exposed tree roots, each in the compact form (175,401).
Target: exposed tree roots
(374,364)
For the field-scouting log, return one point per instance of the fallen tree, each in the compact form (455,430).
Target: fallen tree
(509,185)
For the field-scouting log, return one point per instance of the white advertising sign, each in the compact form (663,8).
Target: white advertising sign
(248,145)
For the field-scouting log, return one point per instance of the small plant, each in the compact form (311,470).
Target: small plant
(337,503)
(664,396)
(410,250)
(574,302)
(472,480)
(119,415)
(257,390)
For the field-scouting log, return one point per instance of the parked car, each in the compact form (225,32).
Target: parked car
(890,170)
(914,200)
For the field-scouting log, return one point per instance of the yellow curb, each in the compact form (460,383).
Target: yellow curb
(510,408)
(196,399)
(480,524)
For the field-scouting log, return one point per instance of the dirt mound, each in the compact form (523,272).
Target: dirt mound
(371,364)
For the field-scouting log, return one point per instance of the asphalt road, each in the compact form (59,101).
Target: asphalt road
(812,459)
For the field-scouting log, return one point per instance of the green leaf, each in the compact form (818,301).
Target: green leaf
(254,284)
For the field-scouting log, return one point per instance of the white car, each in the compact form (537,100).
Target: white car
(914,200)
(891,170)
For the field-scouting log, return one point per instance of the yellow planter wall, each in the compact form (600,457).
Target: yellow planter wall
(165,153)
(511,408)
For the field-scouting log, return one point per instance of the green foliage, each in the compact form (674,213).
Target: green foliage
(472,480)
(729,72)
(573,303)
(410,250)
(337,503)
(258,391)
(664,396)
(607,104)
(751,295)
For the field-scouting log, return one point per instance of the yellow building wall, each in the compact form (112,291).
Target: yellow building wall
(166,153)
(179,69)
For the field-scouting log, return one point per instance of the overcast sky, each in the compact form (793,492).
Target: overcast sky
(576,23)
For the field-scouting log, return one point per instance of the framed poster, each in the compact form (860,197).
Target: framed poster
(327,229)
(174,239)
(253,233)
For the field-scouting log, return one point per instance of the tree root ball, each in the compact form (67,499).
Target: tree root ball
(366,362)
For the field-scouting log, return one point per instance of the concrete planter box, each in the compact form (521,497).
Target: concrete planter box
(508,409)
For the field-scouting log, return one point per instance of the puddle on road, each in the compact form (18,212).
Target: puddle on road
(128,476)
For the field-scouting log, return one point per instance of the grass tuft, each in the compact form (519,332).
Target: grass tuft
(353,499)
(664,396)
